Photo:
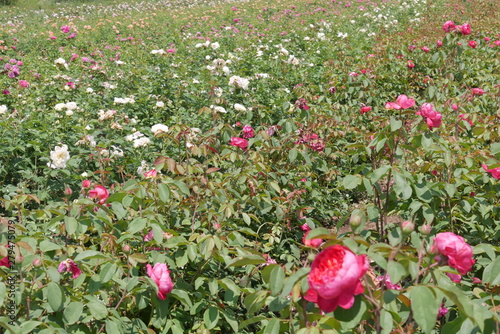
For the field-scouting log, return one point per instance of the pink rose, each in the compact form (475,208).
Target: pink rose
(425,49)
(405,102)
(239,142)
(69,265)
(495,172)
(150,174)
(365,109)
(402,102)
(149,236)
(439,43)
(65,29)
(335,278)
(23,83)
(314,243)
(449,26)
(248,132)
(161,276)
(302,104)
(454,251)
(464,29)
(100,193)
(410,64)
(85,184)
(5,262)
(472,44)
(477,91)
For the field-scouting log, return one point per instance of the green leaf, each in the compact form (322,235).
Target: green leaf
(246,259)
(88,254)
(351,317)
(55,296)
(454,326)
(351,181)
(71,224)
(395,124)
(294,278)
(72,312)
(272,327)
(292,155)
(277,279)
(107,272)
(28,326)
(320,233)
(97,309)
(396,271)
(378,173)
(112,326)
(423,306)
(164,193)
(211,317)
(136,225)
(182,296)
(3,290)
(47,246)
(231,320)
(255,301)
(491,273)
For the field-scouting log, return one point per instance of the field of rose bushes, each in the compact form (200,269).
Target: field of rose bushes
(321,166)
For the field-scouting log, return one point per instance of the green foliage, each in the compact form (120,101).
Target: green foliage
(227,220)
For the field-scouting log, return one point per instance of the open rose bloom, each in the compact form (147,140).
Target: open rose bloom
(161,276)
(335,278)
(455,252)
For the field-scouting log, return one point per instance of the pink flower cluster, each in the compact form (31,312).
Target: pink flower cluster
(402,102)
(450,26)
(313,141)
(432,117)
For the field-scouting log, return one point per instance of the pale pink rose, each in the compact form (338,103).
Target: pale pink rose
(100,193)
(405,102)
(151,174)
(70,265)
(392,105)
(161,276)
(495,172)
(335,278)
(456,252)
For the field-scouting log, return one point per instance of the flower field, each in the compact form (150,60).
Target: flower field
(320,166)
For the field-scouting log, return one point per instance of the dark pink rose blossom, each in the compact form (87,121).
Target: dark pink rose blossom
(65,29)
(5,262)
(302,104)
(335,278)
(248,132)
(239,142)
(472,44)
(70,265)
